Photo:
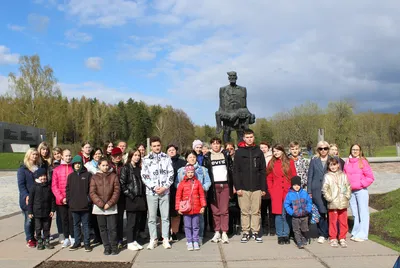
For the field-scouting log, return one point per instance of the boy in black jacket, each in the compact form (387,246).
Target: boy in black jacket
(78,200)
(249,180)
(41,207)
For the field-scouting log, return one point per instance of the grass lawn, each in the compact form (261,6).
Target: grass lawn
(384,225)
(11,160)
(386,151)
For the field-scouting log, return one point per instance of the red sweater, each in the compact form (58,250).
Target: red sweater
(183,193)
(279,184)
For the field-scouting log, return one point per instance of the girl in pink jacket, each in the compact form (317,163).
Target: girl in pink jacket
(360,175)
(58,186)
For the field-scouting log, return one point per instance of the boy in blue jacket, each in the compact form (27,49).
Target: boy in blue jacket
(298,204)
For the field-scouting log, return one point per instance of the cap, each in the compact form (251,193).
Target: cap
(189,168)
(116,151)
(39,172)
(296,180)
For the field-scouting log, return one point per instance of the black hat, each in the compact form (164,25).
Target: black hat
(39,172)
(296,180)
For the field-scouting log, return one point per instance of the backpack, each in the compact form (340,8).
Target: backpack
(315,216)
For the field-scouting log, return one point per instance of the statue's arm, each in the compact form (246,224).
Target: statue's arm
(245,98)
(221,99)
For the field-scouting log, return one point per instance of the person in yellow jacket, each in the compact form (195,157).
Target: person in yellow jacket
(336,190)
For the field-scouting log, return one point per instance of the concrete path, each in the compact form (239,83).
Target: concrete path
(14,253)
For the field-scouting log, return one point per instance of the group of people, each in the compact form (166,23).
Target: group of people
(276,192)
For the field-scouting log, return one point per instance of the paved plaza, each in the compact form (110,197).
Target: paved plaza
(14,253)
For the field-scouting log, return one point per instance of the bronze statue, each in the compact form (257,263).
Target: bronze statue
(233,113)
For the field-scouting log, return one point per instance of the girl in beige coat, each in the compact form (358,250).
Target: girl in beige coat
(337,192)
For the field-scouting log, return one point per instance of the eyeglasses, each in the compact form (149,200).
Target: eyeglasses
(324,149)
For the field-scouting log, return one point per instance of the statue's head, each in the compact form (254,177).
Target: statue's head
(232,77)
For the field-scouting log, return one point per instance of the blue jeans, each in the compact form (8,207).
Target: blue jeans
(281,224)
(78,218)
(359,207)
(153,202)
(29,226)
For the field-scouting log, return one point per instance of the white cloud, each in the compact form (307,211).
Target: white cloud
(94,63)
(75,36)
(104,13)
(16,28)
(3,84)
(100,91)
(6,57)
(38,22)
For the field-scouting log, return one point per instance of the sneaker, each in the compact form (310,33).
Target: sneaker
(356,239)
(174,238)
(88,248)
(300,246)
(40,245)
(245,238)
(343,243)
(196,246)
(281,240)
(30,244)
(258,239)
(334,243)
(224,238)
(66,243)
(114,251)
(166,244)
(107,251)
(321,240)
(34,241)
(120,244)
(72,241)
(138,245)
(132,246)
(216,238)
(48,245)
(96,242)
(61,238)
(75,247)
(189,246)
(153,244)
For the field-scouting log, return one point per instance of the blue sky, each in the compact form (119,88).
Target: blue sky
(177,52)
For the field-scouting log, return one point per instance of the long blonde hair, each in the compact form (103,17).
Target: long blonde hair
(47,158)
(320,144)
(27,156)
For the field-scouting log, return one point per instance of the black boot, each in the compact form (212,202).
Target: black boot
(40,245)
(287,240)
(48,245)
(281,240)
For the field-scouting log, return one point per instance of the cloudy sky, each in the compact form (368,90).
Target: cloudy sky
(177,52)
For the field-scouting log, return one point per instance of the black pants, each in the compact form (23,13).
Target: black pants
(108,230)
(133,225)
(120,220)
(323,225)
(267,218)
(143,222)
(42,224)
(300,229)
(67,221)
(93,224)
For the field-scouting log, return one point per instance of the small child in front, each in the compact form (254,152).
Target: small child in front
(337,192)
(190,202)
(298,204)
(41,207)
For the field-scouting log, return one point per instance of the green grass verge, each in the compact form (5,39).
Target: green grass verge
(11,160)
(379,240)
(386,151)
(385,223)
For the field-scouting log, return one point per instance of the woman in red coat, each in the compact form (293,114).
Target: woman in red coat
(280,171)
(191,190)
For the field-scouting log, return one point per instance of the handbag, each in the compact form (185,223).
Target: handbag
(315,216)
(185,206)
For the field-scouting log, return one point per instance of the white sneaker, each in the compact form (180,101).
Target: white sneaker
(132,246)
(225,238)
(166,244)
(216,238)
(138,245)
(66,243)
(152,244)
(72,241)
(321,239)
(356,239)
